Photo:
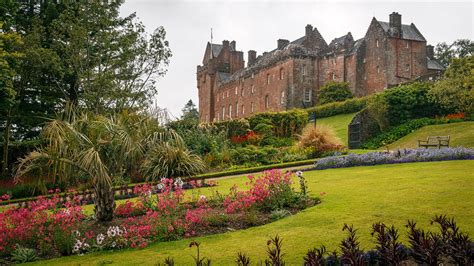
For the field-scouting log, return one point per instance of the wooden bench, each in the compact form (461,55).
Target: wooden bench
(434,141)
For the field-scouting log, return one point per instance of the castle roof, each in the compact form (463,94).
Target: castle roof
(409,32)
(433,64)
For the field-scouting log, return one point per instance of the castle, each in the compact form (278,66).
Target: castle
(290,76)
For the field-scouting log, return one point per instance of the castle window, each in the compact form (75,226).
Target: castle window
(227,94)
(304,70)
(282,97)
(223,113)
(251,108)
(236,109)
(281,73)
(242,92)
(268,78)
(307,95)
(252,75)
(267,101)
(407,44)
(363,61)
(230,111)
(407,67)
(333,76)
(252,89)
(218,116)
(243,109)
(377,43)
(236,90)
(378,69)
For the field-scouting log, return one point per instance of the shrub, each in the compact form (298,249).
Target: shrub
(233,127)
(23,255)
(405,156)
(321,139)
(285,124)
(410,101)
(334,92)
(346,107)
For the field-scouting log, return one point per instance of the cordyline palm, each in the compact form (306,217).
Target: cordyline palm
(100,148)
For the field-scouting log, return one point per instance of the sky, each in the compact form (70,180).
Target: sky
(258,24)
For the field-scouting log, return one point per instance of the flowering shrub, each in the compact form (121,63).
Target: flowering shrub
(129,209)
(45,225)
(272,190)
(405,156)
(250,137)
(51,228)
(456,116)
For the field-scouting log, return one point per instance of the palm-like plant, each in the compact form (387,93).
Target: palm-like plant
(103,148)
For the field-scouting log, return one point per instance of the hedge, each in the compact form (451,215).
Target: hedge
(402,130)
(285,124)
(337,108)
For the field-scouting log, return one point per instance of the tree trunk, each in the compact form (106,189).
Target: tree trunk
(6,140)
(104,202)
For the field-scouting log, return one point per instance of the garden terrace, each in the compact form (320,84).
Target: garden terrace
(360,196)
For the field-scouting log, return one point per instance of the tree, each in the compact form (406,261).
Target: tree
(334,92)
(454,92)
(10,57)
(461,48)
(190,111)
(103,148)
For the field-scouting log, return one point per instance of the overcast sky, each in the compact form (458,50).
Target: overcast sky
(258,24)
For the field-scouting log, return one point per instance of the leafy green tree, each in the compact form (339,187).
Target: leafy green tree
(445,53)
(10,58)
(454,92)
(190,111)
(334,92)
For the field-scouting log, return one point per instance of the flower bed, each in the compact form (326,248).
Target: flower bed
(48,228)
(400,156)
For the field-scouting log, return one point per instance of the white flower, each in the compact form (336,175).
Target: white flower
(160,186)
(178,182)
(299,174)
(100,238)
(77,233)
(202,197)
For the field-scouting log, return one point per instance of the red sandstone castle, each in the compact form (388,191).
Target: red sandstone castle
(290,76)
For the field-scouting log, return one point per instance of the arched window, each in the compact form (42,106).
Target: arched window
(281,74)
(230,111)
(268,78)
(267,101)
(282,97)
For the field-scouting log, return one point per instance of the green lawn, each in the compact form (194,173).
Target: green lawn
(462,134)
(358,196)
(339,124)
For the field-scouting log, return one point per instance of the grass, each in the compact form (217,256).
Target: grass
(462,134)
(358,196)
(339,124)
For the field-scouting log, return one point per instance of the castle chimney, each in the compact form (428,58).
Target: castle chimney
(309,30)
(430,51)
(252,55)
(232,45)
(282,43)
(225,43)
(395,24)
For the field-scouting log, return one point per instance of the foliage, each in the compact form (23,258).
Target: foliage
(334,92)
(395,133)
(274,252)
(389,249)
(446,53)
(321,139)
(346,107)
(197,259)
(23,255)
(234,127)
(103,148)
(455,92)
(405,156)
(408,102)
(74,52)
(190,112)
(284,124)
